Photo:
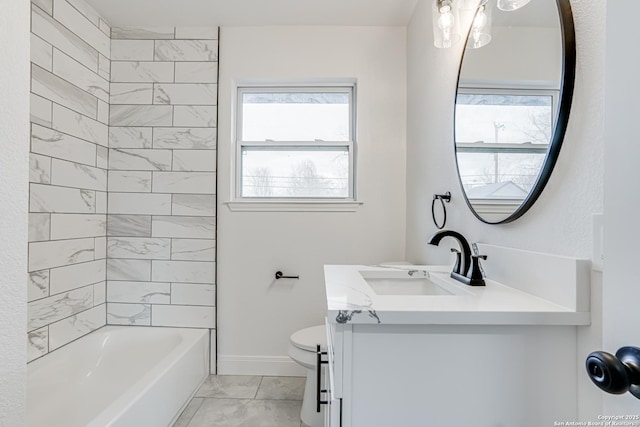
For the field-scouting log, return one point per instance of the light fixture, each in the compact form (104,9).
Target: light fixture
(445,24)
(509,5)
(480,34)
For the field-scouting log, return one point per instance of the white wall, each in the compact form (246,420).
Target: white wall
(575,190)
(257,314)
(561,221)
(622,202)
(533,53)
(14,167)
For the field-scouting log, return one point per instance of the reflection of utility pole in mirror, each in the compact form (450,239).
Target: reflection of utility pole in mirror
(497,127)
(511,105)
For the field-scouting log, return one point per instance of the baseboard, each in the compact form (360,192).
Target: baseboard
(259,365)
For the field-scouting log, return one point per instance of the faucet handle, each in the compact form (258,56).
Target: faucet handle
(474,248)
(477,273)
(456,266)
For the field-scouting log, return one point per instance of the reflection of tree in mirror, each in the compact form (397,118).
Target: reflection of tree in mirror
(485,169)
(538,129)
(522,170)
(500,136)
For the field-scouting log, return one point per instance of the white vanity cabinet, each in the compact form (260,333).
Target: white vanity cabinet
(495,356)
(434,375)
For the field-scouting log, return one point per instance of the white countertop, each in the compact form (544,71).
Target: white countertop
(350,299)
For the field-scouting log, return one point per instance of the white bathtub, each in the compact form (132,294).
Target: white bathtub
(120,376)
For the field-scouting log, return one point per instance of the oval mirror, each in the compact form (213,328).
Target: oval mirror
(514,93)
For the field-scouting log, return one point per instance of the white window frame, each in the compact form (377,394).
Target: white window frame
(479,87)
(336,204)
(515,90)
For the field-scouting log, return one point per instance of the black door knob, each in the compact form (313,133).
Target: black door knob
(616,374)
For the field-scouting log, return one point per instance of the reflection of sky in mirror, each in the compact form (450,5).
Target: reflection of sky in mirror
(512,119)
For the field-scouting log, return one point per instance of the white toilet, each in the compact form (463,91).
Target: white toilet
(302,349)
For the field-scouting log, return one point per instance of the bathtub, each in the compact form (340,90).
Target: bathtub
(122,376)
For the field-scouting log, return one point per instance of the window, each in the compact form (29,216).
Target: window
(295,143)
(502,138)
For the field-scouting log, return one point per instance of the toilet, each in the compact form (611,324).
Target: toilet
(302,350)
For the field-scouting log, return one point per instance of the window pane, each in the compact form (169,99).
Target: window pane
(295,116)
(498,118)
(499,175)
(295,172)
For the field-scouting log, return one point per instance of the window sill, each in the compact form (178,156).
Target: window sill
(294,206)
(491,207)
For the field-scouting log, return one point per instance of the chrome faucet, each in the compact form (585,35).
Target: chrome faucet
(467,267)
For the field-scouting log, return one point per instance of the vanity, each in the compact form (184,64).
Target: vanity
(409,346)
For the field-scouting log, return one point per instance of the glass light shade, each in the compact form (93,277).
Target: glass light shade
(445,24)
(480,34)
(468,5)
(509,5)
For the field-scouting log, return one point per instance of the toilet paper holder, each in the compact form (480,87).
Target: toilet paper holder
(616,374)
(280,275)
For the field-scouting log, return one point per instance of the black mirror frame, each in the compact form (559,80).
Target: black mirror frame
(566,97)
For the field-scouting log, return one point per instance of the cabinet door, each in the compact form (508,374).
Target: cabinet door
(333,408)
(334,411)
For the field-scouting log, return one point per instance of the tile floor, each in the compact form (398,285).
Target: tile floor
(245,401)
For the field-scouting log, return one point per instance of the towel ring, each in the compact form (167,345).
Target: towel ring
(446,197)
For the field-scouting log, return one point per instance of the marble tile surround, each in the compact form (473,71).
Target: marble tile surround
(66,281)
(161,225)
(122,221)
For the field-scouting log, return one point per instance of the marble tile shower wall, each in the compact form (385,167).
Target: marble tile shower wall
(122,186)
(161,227)
(70,50)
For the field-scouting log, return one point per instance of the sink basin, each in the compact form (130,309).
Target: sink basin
(406,282)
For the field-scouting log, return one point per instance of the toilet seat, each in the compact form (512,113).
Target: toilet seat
(307,339)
